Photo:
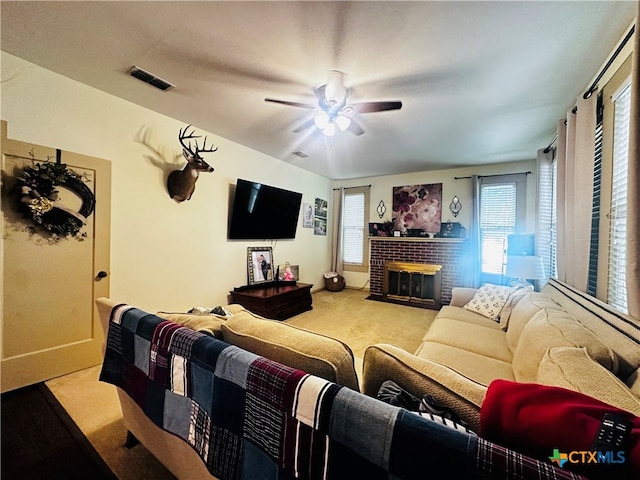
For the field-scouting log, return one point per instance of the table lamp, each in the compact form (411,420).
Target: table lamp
(523,267)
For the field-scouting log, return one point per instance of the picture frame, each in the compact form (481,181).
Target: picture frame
(321,208)
(307,217)
(320,217)
(259,265)
(451,230)
(288,273)
(320,226)
(417,208)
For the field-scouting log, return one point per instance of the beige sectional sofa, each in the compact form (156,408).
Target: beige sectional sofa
(558,336)
(313,353)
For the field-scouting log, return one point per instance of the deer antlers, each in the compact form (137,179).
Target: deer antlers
(184,135)
(182,183)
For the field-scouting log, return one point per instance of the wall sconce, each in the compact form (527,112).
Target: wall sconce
(455,206)
(381,209)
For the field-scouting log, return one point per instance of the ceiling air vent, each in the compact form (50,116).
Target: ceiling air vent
(301,154)
(150,78)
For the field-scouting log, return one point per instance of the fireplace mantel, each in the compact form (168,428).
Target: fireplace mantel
(446,252)
(416,239)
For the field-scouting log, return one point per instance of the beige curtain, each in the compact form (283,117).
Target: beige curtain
(633,182)
(471,246)
(336,229)
(561,154)
(575,167)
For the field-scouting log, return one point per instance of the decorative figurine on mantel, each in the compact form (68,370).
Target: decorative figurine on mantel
(182,183)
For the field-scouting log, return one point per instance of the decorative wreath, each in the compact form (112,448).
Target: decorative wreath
(37,198)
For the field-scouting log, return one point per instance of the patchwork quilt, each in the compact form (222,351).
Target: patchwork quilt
(248,417)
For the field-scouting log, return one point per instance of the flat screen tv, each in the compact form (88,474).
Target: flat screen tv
(263,212)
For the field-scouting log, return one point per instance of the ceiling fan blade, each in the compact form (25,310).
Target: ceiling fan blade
(355,128)
(369,107)
(291,104)
(304,126)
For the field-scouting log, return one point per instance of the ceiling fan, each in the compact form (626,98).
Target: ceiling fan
(333,111)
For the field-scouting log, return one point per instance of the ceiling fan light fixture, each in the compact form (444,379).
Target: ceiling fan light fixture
(321,120)
(330,129)
(343,122)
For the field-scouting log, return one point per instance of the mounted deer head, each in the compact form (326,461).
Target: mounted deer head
(182,183)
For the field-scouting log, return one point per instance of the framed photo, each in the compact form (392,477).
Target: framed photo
(320,217)
(307,215)
(451,230)
(288,273)
(320,226)
(321,208)
(259,265)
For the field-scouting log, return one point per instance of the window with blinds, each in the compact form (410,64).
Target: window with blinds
(616,285)
(592,278)
(545,222)
(353,227)
(553,234)
(497,221)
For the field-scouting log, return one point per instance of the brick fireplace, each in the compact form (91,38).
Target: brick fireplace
(413,283)
(443,252)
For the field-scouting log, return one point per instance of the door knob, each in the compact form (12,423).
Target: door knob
(101,274)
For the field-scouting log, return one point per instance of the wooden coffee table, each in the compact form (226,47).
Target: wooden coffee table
(275,300)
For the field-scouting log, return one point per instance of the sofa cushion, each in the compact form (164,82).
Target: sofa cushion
(553,328)
(530,304)
(490,342)
(633,382)
(479,368)
(210,324)
(489,300)
(463,315)
(310,352)
(515,296)
(574,369)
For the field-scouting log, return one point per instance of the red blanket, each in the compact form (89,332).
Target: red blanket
(537,419)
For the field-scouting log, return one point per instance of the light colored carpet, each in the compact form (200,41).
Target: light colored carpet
(348,316)
(345,315)
(95,408)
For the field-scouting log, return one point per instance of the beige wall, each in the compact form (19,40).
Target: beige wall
(173,256)
(382,188)
(164,255)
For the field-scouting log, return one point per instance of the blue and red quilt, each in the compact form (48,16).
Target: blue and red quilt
(248,417)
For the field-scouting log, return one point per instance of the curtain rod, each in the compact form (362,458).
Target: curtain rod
(347,188)
(553,140)
(496,175)
(593,86)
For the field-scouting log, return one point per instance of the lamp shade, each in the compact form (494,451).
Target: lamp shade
(525,267)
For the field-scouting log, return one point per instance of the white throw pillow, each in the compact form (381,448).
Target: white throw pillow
(489,300)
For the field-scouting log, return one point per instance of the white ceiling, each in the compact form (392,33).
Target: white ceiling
(480,82)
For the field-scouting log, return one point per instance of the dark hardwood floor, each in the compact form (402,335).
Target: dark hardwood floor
(41,441)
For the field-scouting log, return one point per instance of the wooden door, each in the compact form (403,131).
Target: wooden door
(50,325)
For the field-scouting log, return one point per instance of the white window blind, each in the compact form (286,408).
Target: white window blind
(592,279)
(353,228)
(497,221)
(617,286)
(553,240)
(545,226)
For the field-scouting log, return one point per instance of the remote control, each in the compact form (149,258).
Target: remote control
(614,434)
